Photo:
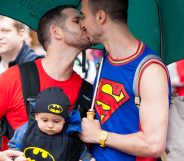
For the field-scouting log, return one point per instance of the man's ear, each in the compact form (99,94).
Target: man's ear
(36,116)
(21,33)
(101,16)
(56,31)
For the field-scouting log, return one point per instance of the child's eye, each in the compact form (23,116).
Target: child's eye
(56,121)
(44,120)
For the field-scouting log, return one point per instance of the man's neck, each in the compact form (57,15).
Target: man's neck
(3,67)
(5,59)
(121,43)
(59,64)
(9,56)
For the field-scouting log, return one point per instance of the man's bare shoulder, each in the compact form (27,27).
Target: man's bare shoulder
(154,82)
(156,71)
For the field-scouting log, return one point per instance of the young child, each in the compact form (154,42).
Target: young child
(53,135)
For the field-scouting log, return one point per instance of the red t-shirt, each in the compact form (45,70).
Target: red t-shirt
(11,97)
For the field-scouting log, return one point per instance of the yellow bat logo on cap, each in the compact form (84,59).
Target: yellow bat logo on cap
(55,108)
(38,151)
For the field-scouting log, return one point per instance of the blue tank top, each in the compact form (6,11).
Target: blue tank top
(114,104)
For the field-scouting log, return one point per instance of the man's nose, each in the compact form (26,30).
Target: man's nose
(82,24)
(1,33)
(83,28)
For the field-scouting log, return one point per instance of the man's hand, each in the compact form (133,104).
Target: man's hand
(21,158)
(90,131)
(8,154)
(92,159)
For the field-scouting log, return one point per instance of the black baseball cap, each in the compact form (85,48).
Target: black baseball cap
(52,100)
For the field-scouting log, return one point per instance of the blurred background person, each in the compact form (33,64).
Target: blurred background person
(27,36)
(14,37)
(35,44)
(13,49)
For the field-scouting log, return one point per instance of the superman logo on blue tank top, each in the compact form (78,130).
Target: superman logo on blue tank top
(110,96)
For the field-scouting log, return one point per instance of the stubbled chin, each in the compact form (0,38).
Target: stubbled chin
(90,39)
(86,46)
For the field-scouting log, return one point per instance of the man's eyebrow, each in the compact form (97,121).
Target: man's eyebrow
(77,17)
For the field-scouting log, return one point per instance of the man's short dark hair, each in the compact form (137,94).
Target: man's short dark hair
(54,16)
(116,9)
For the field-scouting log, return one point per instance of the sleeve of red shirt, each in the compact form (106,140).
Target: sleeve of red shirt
(4,86)
(180,70)
(8,81)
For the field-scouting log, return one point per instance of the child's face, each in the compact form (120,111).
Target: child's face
(50,123)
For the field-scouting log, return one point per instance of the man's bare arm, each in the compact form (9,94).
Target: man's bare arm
(153,119)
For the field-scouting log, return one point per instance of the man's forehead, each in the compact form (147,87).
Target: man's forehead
(6,19)
(84,6)
(7,22)
(71,12)
(84,3)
